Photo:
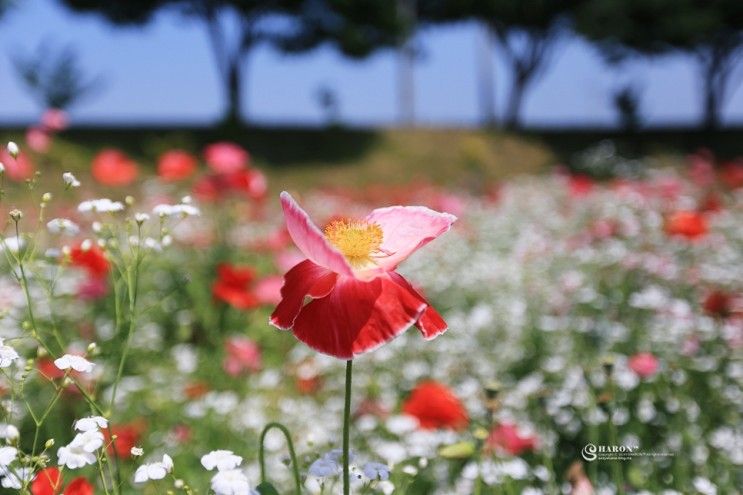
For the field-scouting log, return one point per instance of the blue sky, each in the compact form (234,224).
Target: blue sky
(165,72)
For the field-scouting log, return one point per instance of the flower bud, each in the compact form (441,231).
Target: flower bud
(49,443)
(16,214)
(12,149)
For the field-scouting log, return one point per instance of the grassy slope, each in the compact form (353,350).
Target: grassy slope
(298,158)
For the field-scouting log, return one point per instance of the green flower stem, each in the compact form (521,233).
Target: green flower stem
(346,428)
(292,454)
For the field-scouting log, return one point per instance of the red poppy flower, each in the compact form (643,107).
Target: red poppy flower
(357,301)
(580,185)
(435,406)
(225,157)
(48,370)
(79,486)
(91,259)
(233,286)
(644,364)
(689,224)
(731,173)
(507,437)
(243,355)
(19,168)
(127,436)
(717,303)
(251,182)
(113,168)
(176,165)
(48,481)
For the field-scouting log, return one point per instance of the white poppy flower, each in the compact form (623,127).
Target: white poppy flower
(91,423)
(231,482)
(102,205)
(70,180)
(223,460)
(63,226)
(77,363)
(7,455)
(7,355)
(153,470)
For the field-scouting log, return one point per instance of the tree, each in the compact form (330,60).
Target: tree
(526,32)
(234,28)
(710,30)
(54,77)
(356,29)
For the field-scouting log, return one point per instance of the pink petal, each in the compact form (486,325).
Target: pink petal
(310,240)
(406,229)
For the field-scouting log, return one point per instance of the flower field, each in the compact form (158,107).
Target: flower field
(594,342)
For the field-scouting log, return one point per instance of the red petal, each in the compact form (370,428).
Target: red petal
(46,482)
(305,279)
(431,324)
(79,486)
(357,317)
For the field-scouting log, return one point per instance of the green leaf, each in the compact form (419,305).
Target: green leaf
(266,488)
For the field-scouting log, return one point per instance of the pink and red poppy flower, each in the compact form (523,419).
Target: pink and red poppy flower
(225,157)
(19,168)
(92,259)
(508,437)
(357,302)
(242,356)
(644,364)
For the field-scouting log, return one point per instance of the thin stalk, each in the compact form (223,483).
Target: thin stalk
(346,429)
(292,454)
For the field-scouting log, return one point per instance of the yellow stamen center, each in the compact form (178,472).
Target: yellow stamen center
(357,240)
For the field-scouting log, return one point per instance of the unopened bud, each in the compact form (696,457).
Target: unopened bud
(46,197)
(49,443)
(12,149)
(16,214)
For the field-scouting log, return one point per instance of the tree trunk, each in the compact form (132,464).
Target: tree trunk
(486,76)
(516,98)
(711,72)
(233,93)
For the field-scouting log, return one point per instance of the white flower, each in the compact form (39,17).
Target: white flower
(77,363)
(153,470)
(223,460)
(7,355)
(91,423)
(13,244)
(7,455)
(136,451)
(70,180)
(15,479)
(103,205)
(376,471)
(63,226)
(80,451)
(13,149)
(8,432)
(232,482)
(141,217)
(183,210)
